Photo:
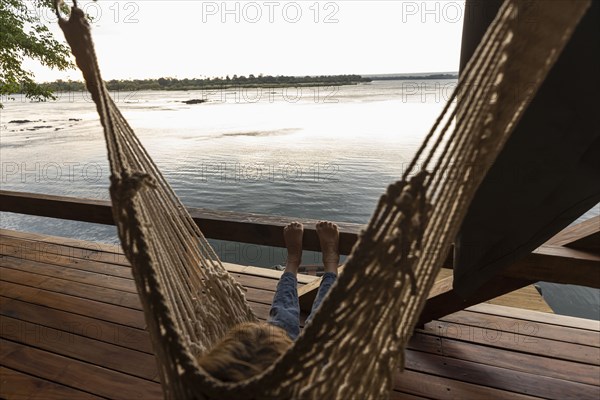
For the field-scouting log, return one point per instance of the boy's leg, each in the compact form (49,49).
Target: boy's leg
(285,311)
(329,238)
(327,280)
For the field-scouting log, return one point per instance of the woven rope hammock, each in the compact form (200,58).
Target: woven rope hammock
(354,345)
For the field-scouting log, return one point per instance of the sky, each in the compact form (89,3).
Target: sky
(194,38)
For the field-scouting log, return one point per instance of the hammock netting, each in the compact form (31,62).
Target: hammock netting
(354,345)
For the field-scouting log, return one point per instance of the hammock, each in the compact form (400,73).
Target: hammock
(354,345)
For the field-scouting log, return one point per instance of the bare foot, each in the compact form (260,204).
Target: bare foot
(329,237)
(292,234)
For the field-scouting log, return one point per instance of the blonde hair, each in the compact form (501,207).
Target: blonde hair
(247,350)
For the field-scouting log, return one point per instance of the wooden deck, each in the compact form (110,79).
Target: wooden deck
(72,327)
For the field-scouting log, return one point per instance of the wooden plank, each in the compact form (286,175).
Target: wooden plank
(18,386)
(70,274)
(528,298)
(83,306)
(499,378)
(436,387)
(68,344)
(60,255)
(92,292)
(525,328)
(258,282)
(76,374)
(257,289)
(55,252)
(250,281)
(121,335)
(493,336)
(92,247)
(539,364)
(394,395)
(74,305)
(563,367)
(588,377)
(86,291)
(526,315)
(224,225)
(265,272)
(441,286)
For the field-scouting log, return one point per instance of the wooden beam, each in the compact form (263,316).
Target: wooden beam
(441,286)
(61,207)
(443,300)
(241,227)
(478,16)
(583,236)
(558,264)
(547,263)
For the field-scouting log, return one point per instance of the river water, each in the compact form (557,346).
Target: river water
(322,153)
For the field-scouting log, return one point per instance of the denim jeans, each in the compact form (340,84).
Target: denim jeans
(285,311)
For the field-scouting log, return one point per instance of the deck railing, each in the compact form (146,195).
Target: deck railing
(224,225)
(571,257)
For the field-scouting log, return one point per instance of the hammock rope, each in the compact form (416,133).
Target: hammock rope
(354,345)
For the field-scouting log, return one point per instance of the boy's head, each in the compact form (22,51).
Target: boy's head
(246,350)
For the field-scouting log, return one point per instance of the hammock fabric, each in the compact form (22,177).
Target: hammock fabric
(354,345)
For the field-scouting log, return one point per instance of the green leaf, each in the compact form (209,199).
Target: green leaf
(25,35)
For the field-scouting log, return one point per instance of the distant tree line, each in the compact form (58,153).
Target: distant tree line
(413,77)
(212,83)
